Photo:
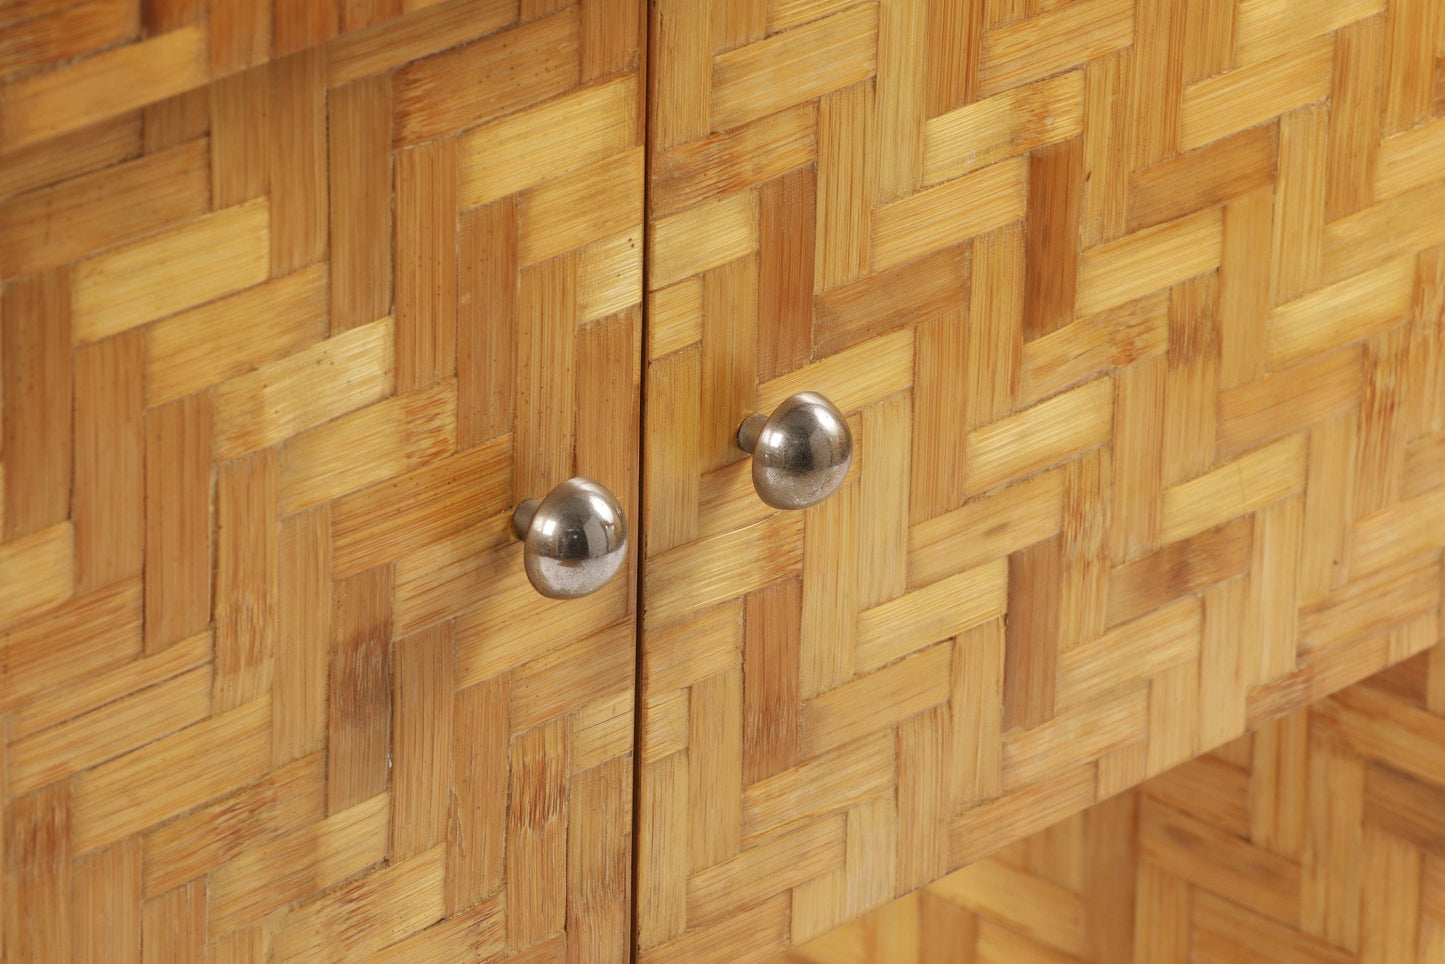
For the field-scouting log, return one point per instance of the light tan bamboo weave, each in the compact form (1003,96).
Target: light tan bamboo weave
(1315,840)
(285,337)
(1134,307)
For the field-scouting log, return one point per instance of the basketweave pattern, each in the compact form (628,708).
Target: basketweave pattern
(1315,839)
(280,353)
(67,64)
(1134,307)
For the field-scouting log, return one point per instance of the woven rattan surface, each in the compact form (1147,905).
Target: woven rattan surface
(1134,307)
(1315,839)
(280,354)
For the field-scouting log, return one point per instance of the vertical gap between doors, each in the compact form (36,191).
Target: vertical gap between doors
(644,86)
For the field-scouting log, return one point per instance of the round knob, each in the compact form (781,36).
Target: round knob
(575,539)
(800,453)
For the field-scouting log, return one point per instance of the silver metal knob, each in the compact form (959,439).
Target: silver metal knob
(575,539)
(800,453)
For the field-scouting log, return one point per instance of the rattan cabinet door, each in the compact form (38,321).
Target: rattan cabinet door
(1134,309)
(290,323)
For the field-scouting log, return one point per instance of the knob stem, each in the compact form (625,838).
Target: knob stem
(750,431)
(522,517)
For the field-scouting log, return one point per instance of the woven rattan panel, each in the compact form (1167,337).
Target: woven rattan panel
(1134,307)
(279,356)
(68,64)
(1316,839)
